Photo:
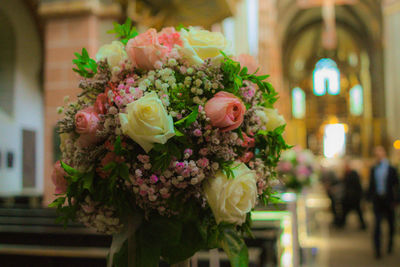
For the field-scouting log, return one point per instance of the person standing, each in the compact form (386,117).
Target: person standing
(353,194)
(383,191)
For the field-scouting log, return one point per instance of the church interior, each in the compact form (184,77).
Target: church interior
(333,62)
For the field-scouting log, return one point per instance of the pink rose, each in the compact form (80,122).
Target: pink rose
(100,104)
(58,178)
(145,51)
(225,111)
(169,37)
(249,62)
(87,121)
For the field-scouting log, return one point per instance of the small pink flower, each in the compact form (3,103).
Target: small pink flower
(130,81)
(143,158)
(145,50)
(100,104)
(58,178)
(203,162)
(203,151)
(179,166)
(225,111)
(169,37)
(154,178)
(138,93)
(197,132)
(248,141)
(247,157)
(188,152)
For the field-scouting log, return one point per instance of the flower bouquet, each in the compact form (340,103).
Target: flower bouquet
(169,146)
(296,168)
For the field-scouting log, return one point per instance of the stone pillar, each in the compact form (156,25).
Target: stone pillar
(270,51)
(69,26)
(391,20)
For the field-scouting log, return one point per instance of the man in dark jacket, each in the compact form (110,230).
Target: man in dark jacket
(383,191)
(353,194)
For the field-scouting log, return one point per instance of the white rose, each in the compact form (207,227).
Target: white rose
(199,45)
(231,199)
(147,122)
(114,53)
(270,118)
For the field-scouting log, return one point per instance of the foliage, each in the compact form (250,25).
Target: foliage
(125,31)
(86,67)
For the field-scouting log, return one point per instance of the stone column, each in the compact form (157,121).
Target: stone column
(270,51)
(69,26)
(391,20)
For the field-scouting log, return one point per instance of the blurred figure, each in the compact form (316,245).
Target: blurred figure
(383,191)
(353,194)
(331,184)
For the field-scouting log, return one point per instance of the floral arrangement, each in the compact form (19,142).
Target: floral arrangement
(169,146)
(296,168)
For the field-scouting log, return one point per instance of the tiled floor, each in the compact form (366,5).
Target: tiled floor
(351,247)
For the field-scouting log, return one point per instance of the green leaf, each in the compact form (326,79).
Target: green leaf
(88,181)
(180,27)
(233,245)
(57,202)
(178,133)
(86,67)
(124,31)
(191,241)
(280,129)
(110,166)
(120,259)
(124,171)
(117,145)
(189,119)
(69,170)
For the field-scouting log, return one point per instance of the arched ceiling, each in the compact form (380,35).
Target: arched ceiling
(365,18)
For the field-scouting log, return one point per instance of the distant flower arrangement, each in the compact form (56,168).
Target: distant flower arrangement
(170,134)
(296,168)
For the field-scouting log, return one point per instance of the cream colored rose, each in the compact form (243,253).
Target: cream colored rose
(199,45)
(114,53)
(270,118)
(231,199)
(147,122)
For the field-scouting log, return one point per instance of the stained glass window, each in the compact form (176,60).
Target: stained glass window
(326,77)
(356,100)
(298,103)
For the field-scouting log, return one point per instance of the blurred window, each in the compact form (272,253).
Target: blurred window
(326,77)
(252,26)
(298,103)
(356,100)
(334,140)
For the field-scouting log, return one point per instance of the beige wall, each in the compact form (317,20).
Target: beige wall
(391,16)
(27,100)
